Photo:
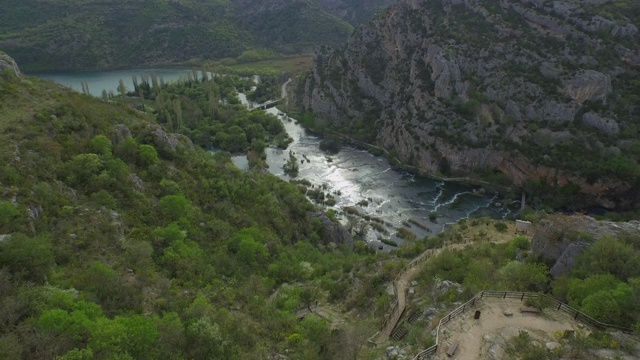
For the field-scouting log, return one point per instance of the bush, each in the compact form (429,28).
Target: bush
(389,242)
(500,227)
(147,155)
(30,258)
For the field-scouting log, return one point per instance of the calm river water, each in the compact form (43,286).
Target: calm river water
(353,175)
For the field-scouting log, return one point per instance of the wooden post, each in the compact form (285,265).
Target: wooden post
(559,306)
(522,297)
(505,295)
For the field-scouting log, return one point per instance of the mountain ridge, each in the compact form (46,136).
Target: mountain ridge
(83,35)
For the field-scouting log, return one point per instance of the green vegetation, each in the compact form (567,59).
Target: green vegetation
(524,68)
(125,241)
(208,112)
(389,242)
(522,347)
(292,64)
(291,167)
(92,34)
(604,284)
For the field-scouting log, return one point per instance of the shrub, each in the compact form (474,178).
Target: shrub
(500,227)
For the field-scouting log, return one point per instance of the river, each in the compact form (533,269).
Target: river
(369,183)
(356,178)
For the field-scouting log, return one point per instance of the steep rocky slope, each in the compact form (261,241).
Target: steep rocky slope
(290,25)
(544,92)
(354,11)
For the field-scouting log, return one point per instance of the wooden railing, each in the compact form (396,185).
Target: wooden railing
(556,305)
(398,309)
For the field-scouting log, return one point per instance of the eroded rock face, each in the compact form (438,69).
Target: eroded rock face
(456,87)
(169,142)
(605,125)
(6,62)
(589,85)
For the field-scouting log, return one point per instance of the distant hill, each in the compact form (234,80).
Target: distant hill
(72,34)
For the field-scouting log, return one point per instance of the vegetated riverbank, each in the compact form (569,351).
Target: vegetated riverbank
(354,185)
(380,202)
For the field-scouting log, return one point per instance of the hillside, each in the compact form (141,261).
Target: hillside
(119,239)
(540,94)
(71,34)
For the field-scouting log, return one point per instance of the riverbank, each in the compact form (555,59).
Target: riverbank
(400,165)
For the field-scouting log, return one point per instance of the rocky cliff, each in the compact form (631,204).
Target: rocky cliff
(533,89)
(560,239)
(80,35)
(8,64)
(354,11)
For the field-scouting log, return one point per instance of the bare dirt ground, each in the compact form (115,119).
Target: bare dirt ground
(478,336)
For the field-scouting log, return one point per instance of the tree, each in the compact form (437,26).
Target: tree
(175,207)
(205,341)
(9,216)
(252,253)
(349,342)
(101,145)
(524,276)
(291,166)
(140,335)
(579,289)
(82,170)
(609,255)
(171,336)
(77,354)
(122,89)
(147,155)
(128,149)
(602,306)
(30,258)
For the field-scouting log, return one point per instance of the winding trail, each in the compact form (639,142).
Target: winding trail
(402,281)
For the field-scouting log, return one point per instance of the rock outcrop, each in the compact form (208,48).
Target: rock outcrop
(333,232)
(8,64)
(533,89)
(562,238)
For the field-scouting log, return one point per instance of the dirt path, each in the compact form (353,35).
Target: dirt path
(404,279)
(485,337)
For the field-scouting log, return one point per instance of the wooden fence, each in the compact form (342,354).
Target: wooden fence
(397,309)
(553,303)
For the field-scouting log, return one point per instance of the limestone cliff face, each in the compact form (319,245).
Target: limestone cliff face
(533,89)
